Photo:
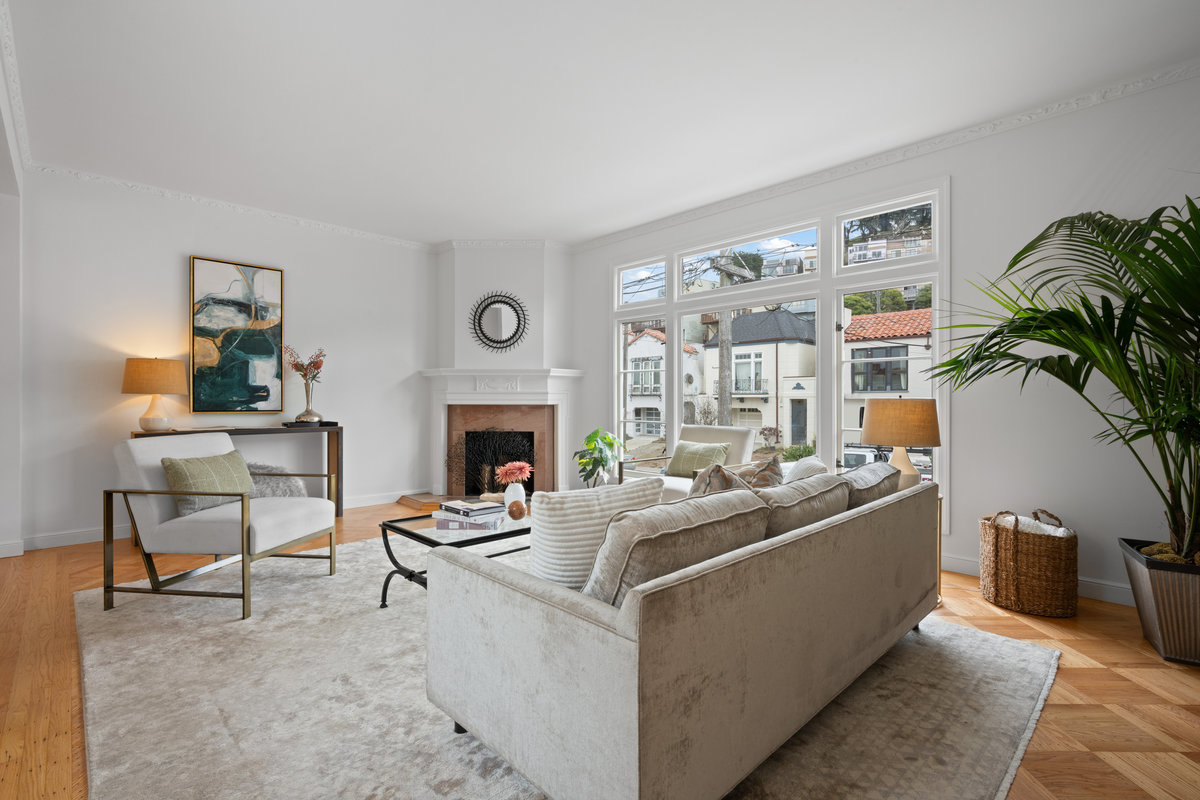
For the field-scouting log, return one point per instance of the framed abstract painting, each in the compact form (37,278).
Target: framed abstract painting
(237,337)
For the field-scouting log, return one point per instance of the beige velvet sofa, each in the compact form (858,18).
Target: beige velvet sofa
(699,676)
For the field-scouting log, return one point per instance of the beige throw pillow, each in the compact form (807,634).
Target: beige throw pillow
(871,482)
(805,468)
(691,456)
(715,479)
(223,473)
(566,528)
(648,543)
(801,503)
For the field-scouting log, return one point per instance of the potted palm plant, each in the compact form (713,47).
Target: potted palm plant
(1117,299)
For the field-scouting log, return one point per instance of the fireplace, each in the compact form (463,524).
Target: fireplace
(476,434)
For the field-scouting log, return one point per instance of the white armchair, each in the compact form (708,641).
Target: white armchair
(741,451)
(249,530)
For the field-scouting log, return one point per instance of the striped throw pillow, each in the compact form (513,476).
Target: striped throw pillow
(223,473)
(567,528)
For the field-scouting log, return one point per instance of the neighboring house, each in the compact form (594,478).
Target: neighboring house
(792,263)
(644,395)
(774,368)
(883,355)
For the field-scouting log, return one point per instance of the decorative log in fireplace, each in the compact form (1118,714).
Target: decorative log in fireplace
(535,423)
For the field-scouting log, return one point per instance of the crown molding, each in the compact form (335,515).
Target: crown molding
(492,244)
(1165,77)
(8,51)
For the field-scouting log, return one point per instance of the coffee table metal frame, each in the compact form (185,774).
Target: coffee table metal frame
(423,536)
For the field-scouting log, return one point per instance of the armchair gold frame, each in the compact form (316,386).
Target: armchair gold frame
(159,585)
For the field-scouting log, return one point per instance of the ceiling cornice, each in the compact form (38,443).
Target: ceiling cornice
(1165,77)
(8,50)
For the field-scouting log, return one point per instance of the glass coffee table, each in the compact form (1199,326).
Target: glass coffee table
(433,532)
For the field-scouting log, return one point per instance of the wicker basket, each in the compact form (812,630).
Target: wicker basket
(1027,570)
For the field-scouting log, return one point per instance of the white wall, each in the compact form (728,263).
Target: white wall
(1007,449)
(10,369)
(106,277)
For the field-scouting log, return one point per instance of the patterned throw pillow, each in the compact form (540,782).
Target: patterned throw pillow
(691,456)
(276,483)
(715,479)
(762,474)
(224,473)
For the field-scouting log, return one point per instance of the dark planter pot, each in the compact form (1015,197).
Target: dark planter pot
(1168,602)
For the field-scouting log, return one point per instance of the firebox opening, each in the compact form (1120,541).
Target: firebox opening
(487,449)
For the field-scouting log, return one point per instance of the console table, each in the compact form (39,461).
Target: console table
(333,448)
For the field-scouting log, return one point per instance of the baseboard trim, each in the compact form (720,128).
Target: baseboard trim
(42,541)
(10,549)
(378,499)
(1093,588)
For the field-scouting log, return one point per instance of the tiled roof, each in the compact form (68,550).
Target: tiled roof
(890,325)
(662,337)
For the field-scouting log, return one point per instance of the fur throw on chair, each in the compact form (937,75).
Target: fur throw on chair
(275,485)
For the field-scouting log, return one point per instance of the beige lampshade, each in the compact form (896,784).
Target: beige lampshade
(154,376)
(901,422)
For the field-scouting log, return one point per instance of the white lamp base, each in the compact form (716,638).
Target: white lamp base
(908,473)
(155,418)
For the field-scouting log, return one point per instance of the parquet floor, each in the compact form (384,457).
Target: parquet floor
(1119,721)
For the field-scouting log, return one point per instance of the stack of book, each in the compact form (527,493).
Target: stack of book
(479,513)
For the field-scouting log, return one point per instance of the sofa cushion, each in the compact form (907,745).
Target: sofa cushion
(651,542)
(803,502)
(691,456)
(716,479)
(805,468)
(222,473)
(763,473)
(871,482)
(567,527)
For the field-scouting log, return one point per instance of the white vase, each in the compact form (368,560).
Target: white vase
(514,493)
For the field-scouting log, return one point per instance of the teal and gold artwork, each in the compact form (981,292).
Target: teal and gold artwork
(237,337)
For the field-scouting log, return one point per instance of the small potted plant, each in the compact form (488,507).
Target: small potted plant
(599,454)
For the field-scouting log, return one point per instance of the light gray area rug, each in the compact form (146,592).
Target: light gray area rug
(321,694)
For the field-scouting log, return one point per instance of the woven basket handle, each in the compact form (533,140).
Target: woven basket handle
(993,519)
(1057,521)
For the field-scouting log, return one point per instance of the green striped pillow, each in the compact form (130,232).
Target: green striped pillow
(224,473)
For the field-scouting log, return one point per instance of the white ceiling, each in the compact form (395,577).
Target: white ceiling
(542,118)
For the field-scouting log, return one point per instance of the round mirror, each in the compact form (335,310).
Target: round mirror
(499,321)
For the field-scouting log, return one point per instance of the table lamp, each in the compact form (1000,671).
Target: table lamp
(901,423)
(156,377)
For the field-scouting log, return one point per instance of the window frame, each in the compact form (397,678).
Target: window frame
(824,286)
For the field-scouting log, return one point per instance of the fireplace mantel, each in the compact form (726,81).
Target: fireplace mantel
(451,386)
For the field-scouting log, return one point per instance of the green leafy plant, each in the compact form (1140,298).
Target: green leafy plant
(600,452)
(797,452)
(1118,298)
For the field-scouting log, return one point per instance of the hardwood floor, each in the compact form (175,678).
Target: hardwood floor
(1119,722)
